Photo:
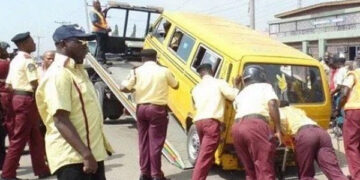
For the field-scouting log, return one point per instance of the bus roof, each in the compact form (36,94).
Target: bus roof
(232,38)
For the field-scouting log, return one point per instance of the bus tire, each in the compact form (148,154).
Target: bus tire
(193,144)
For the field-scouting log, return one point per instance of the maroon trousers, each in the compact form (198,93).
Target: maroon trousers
(152,125)
(209,135)
(313,143)
(351,134)
(26,130)
(5,101)
(253,144)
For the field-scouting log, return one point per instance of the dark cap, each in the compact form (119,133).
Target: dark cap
(150,53)
(71,31)
(20,37)
(4,45)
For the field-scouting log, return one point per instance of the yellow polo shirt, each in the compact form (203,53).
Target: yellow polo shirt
(69,88)
(151,83)
(292,119)
(23,70)
(209,98)
(254,99)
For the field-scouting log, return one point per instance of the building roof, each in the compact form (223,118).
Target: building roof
(325,5)
(231,38)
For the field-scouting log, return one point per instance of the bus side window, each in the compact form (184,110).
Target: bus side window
(162,29)
(205,55)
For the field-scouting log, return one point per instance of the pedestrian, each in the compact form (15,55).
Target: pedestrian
(47,59)
(209,98)
(5,99)
(22,79)
(254,141)
(150,84)
(75,143)
(349,100)
(312,143)
(101,29)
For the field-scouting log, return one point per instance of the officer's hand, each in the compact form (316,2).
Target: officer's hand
(108,29)
(222,127)
(279,138)
(237,81)
(90,164)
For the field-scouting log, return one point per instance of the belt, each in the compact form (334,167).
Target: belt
(24,93)
(252,116)
(307,126)
(146,104)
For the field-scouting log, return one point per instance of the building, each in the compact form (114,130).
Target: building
(330,26)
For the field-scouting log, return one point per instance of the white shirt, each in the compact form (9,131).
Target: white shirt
(254,99)
(209,98)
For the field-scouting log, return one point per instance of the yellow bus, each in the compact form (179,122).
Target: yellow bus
(185,40)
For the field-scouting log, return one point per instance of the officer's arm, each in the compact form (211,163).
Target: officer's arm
(127,86)
(274,113)
(171,80)
(68,131)
(344,94)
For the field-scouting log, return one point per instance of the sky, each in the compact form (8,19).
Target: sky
(42,17)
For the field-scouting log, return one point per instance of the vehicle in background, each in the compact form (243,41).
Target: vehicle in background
(129,25)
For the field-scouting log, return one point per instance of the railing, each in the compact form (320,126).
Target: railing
(316,30)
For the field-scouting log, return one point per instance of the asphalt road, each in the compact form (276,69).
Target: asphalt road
(123,165)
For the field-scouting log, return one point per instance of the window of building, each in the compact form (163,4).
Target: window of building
(205,55)
(286,27)
(274,28)
(181,44)
(303,83)
(162,29)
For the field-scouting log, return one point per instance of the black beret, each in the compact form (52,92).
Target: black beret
(20,37)
(148,53)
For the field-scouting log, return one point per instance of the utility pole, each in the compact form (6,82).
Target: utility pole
(252,13)
(299,3)
(38,45)
(87,16)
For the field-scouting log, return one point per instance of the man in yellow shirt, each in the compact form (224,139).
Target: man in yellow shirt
(254,141)
(150,84)
(67,102)
(350,101)
(311,143)
(209,99)
(23,81)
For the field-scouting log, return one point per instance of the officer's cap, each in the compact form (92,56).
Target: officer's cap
(150,53)
(20,37)
(4,45)
(71,31)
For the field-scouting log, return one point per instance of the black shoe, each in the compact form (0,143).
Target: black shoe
(144,177)
(43,176)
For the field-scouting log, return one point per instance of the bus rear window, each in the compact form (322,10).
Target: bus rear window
(294,83)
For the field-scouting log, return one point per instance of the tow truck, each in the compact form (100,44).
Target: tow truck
(122,55)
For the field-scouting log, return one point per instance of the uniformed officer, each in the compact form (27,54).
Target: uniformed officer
(254,141)
(5,99)
(209,98)
(101,29)
(311,143)
(150,84)
(22,79)
(350,101)
(75,143)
